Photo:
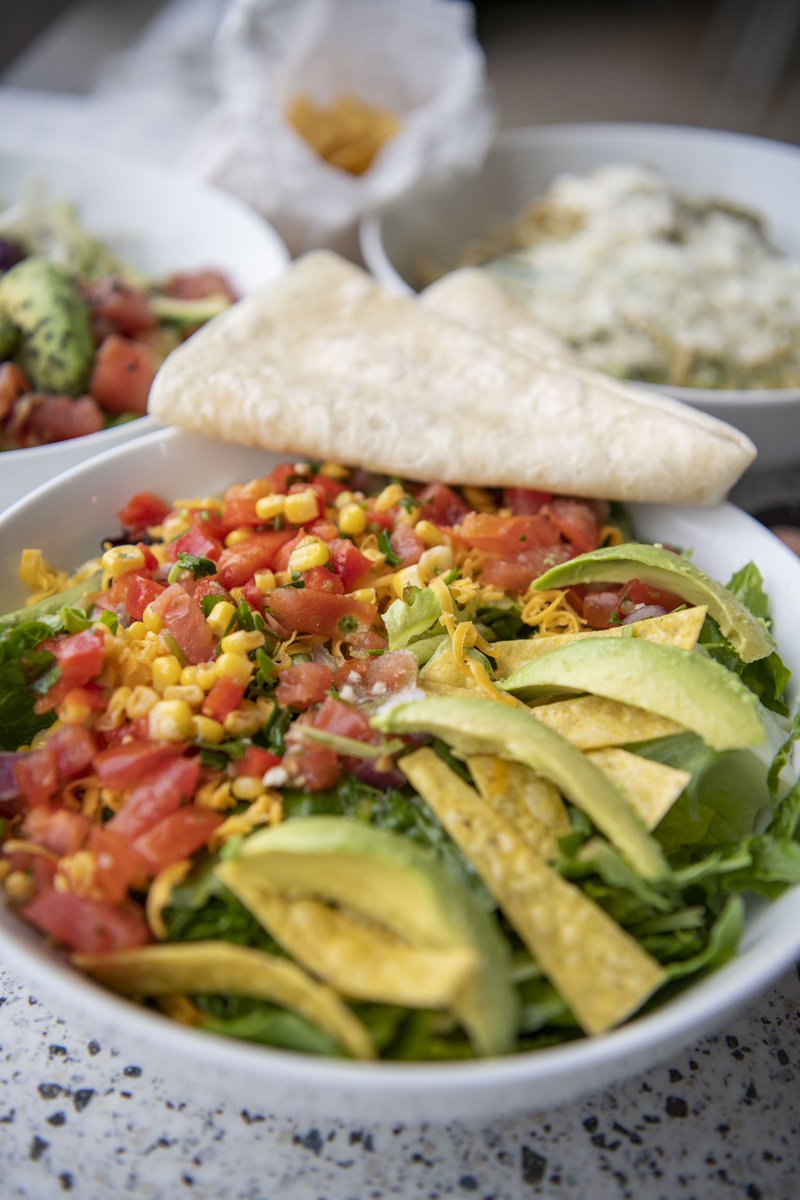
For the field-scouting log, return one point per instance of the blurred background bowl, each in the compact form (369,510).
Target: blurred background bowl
(159,221)
(436,223)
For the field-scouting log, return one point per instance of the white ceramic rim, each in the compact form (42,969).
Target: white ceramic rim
(374,254)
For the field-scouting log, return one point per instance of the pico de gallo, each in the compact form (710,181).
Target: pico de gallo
(216,672)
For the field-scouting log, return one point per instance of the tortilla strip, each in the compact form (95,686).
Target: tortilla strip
(327,364)
(592,722)
(192,967)
(680,628)
(651,787)
(531,803)
(596,967)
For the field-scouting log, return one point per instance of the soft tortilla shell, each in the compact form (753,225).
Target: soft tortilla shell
(327,364)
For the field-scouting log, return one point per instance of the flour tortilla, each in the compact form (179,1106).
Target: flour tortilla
(325,363)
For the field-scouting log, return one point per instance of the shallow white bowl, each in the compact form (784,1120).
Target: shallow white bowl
(763,175)
(67,519)
(161,222)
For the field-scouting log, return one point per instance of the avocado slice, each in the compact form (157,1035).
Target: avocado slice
(683,685)
(485,727)
(188,313)
(55,348)
(748,635)
(390,880)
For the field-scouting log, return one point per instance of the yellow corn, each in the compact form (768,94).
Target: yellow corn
(140,701)
(408,577)
(479,499)
(430,534)
(73,712)
(19,886)
(365,595)
(192,693)
(343,499)
(333,470)
(206,729)
(166,671)
(152,620)
(435,561)
(114,715)
(313,553)
(247,787)
(198,503)
(170,721)
(238,535)
(374,556)
(264,581)
(392,494)
(300,507)
(270,506)
(175,525)
(243,721)
(236,666)
(242,642)
(136,632)
(119,560)
(215,795)
(352,519)
(237,595)
(220,617)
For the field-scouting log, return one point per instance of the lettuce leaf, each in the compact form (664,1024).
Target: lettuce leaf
(408,621)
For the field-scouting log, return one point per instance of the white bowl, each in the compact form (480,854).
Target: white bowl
(760,174)
(161,222)
(67,519)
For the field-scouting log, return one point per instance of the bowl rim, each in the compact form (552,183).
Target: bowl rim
(703,1005)
(373,251)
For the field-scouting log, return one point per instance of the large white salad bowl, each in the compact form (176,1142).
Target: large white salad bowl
(67,519)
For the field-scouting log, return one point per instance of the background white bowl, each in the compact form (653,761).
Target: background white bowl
(161,222)
(437,222)
(67,519)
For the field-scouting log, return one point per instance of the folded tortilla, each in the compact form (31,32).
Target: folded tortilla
(325,363)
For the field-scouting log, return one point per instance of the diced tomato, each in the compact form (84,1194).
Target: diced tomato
(364,641)
(506,536)
(195,541)
(442,505)
(331,488)
(407,545)
(59,829)
(121,767)
(141,592)
(183,619)
(123,306)
(59,418)
(379,675)
(636,592)
(13,384)
(599,607)
(254,596)
(317,767)
(326,531)
(525,502)
(73,747)
(142,510)
(122,374)
(44,872)
(304,684)
(256,761)
(85,925)
(348,562)
(159,793)
(281,477)
(80,658)
(225,696)
(118,866)
(177,836)
(514,574)
(335,716)
(320,579)
(197,285)
(575,520)
(319,612)
(239,563)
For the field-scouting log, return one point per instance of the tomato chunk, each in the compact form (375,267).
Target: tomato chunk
(442,505)
(177,836)
(36,776)
(74,748)
(85,925)
(506,535)
(256,761)
(80,658)
(142,510)
(239,563)
(118,866)
(59,829)
(159,793)
(319,612)
(184,620)
(122,374)
(575,520)
(125,307)
(225,696)
(121,767)
(304,684)
(196,542)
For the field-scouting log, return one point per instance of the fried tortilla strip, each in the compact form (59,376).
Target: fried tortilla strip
(190,968)
(591,722)
(651,787)
(325,363)
(524,798)
(596,967)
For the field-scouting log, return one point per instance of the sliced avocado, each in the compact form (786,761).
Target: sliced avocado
(189,313)
(9,337)
(682,685)
(391,880)
(485,727)
(55,348)
(191,968)
(654,565)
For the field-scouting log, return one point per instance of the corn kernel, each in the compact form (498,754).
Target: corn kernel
(352,519)
(206,676)
(238,535)
(270,506)
(187,677)
(264,581)
(237,595)
(166,671)
(392,494)
(333,470)
(247,787)
(220,617)
(175,525)
(5,869)
(282,578)
(119,560)
(300,507)
(235,666)
(429,533)
(114,715)
(242,642)
(140,701)
(435,561)
(365,595)
(170,721)
(374,556)
(243,722)
(152,620)
(136,631)
(206,729)
(343,499)
(215,795)
(408,577)
(313,553)
(73,712)
(19,886)
(479,499)
(192,693)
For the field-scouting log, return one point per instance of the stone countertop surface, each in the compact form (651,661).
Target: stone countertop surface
(720,1121)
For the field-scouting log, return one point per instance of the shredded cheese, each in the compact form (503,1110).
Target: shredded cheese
(160,894)
(551,612)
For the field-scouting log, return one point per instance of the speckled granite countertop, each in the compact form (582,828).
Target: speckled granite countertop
(720,1121)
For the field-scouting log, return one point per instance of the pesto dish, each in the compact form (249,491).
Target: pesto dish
(361,767)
